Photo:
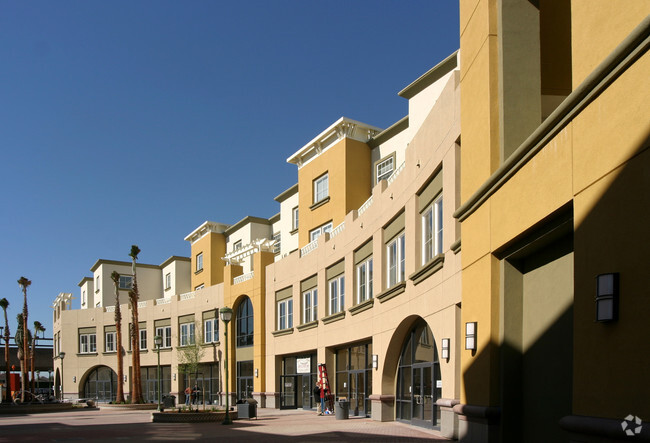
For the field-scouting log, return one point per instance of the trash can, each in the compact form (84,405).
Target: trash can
(247,408)
(342,409)
(169,401)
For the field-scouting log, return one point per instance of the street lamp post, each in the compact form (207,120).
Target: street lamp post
(158,341)
(61,356)
(226,316)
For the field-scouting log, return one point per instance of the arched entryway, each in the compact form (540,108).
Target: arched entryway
(100,384)
(57,385)
(418,378)
(244,330)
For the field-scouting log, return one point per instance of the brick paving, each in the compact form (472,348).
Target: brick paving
(272,425)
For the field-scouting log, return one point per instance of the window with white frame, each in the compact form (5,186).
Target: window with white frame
(126,282)
(321,188)
(432,230)
(166,333)
(276,245)
(87,343)
(211,330)
(84,298)
(395,261)
(294,218)
(168,280)
(385,169)
(199,261)
(237,246)
(315,233)
(97,284)
(187,334)
(143,339)
(285,314)
(310,305)
(337,294)
(109,342)
(364,281)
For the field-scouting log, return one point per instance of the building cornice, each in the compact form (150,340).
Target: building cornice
(174,258)
(286,194)
(244,221)
(342,128)
(431,76)
(206,228)
(101,261)
(275,218)
(389,132)
(84,280)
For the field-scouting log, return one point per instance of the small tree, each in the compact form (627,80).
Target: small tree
(119,398)
(38,327)
(136,379)
(189,356)
(4,304)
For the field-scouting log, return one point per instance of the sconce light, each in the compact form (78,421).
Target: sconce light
(256,373)
(470,336)
(445,349)
(607,297)
(174,376)
(375,361)
(74,379)
(125,379)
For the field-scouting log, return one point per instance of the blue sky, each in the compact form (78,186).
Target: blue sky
(132,122)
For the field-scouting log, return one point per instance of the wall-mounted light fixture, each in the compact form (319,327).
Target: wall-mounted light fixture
(125,379)
(256,373)
(607,297)
(74,379)
(445,348)
(174,376)
(470,335)
(375,361)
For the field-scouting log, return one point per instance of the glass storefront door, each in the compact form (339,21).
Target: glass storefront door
(288,391)
(423,398)
(358,393)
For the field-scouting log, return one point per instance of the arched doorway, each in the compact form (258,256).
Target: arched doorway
(101,384)
(57,385)
(418,378)
(244,348)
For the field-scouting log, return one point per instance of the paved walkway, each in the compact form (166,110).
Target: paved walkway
(272,425)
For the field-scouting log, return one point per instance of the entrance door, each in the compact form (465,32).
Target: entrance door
(307,391)
(152,391)
(288,391)
(104,393)
(357,393)
(423,395)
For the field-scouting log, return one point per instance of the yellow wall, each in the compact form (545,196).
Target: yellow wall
(213,247)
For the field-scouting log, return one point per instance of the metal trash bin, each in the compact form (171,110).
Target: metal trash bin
(169,401)
(342,409)
(247,409)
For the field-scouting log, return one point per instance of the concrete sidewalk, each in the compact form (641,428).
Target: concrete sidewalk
(272,425)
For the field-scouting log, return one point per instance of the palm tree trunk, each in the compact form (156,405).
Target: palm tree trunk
(25,346)
(33,354)
(8,368)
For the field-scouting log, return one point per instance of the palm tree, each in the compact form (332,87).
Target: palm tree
(4,304)
(136,379)
(38,327)
(23,356)
(119,398)
(24,284)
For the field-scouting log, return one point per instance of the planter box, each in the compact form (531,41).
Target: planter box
(191,417)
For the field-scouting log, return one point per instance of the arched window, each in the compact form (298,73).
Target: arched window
(101,384)
(245,323)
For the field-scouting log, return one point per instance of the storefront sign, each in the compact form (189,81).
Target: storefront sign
(303,365)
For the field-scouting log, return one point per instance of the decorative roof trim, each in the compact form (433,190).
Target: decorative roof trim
(84,280)
(206,228)
(102,261)
(389,132)
(174,258)
(258,245)
(286,194)
(244,221)
(275,218)
(431,76)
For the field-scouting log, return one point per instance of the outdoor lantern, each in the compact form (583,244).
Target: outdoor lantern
(158,340)
(226,314)
(445,349)
(607,297)
(375,361)
(470,336)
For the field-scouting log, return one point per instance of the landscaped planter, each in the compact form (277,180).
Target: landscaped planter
(128,406)
(191,416)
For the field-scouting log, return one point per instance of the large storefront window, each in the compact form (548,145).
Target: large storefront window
(101,384)
(299,376)
(418,379)
(244,379)
(206,379)
(150,382)
(245,323)
(354,377)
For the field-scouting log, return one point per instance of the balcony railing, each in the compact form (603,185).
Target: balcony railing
(163,301)
(142,304)
(186,296)
(394,175)
(336,231)
(243,277)
(308,248)
(365,206)
(110,308)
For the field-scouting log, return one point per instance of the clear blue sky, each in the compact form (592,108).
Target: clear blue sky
(132,122)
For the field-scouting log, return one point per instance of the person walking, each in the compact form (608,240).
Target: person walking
(188,395)
(317,399)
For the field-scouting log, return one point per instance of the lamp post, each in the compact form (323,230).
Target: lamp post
(226,316)
(158,341)
(61,356)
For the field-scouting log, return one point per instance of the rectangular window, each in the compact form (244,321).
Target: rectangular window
(168,280)
(364,281)
(83,298)
(294,219)
(109,342)
(237,246)
(143,339)
(97,284)
(126,282)
(187,334)
(337,294)
(87,343)
(276,245)
(201,286)
(285,314)
(385,169)
(211,330)
(314,234)
(310,306)
(321,188)
(199,261)
(166,333)
(432,231)
(395,261)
